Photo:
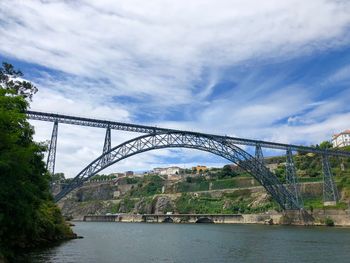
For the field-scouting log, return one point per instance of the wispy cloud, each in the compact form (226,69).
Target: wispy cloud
(198,65)
(151,49)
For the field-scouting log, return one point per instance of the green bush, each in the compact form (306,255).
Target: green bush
(132,180)
(329,221)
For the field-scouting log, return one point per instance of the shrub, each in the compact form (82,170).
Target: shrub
(329,221)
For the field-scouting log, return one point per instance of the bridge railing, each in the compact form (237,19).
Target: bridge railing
(82,121)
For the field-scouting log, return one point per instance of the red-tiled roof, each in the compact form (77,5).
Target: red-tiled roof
(343,132)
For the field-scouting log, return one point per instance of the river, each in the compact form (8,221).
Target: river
(142,242)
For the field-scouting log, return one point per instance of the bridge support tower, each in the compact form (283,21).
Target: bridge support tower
(259,153)
(330,191)
(107,144)
(51,157)
(291,178)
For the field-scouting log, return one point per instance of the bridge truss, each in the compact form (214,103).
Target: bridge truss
(220,147)
(225,146)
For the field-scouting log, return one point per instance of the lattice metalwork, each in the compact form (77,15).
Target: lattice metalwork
(108,142)
(330,192)
(259,153)
(52,117)
(292,179)
(219,146)
(107,145)
(259,156)
(51,157)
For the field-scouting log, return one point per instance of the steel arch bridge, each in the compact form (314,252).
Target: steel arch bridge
(221,147)
(287,195)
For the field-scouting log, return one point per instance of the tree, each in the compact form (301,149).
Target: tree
(280,171)
(227,172)
(12,83)
(58,177)
(325,145)
(28,215)
(189,179)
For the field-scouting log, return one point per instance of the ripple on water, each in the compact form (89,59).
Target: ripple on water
(129,243)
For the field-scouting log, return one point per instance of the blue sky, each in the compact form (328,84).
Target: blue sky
(271,70)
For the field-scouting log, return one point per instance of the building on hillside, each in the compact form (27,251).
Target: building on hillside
(129,173)
(118,175)
(173,170)
(158,170)
(199,169)
(341,139)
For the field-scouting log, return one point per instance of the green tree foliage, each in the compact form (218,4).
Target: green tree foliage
(11,81)
(28,215)
(226,172)
(58,177)
(188,179)
(102,177)
(280,171)
(228,204)
(132,180)
(325,145)
(150,185)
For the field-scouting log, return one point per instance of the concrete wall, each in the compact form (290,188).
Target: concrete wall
(340,217)
(188,218)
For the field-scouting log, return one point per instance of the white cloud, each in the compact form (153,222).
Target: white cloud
(169,56)
(153,48)
(340,75)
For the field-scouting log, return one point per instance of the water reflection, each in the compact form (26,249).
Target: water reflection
(123,242)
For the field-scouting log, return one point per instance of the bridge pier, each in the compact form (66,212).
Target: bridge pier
(259,153)
(259,157)
(291,178)
(330,191)
(107,144)
(51,157)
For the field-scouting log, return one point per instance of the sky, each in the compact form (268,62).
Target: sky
(271,70)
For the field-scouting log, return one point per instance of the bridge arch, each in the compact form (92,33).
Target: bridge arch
(216,145)
(168,220)
(205,220)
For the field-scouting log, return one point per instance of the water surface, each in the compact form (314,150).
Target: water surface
(142,242)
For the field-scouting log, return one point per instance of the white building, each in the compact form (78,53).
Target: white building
(341,139)
(158,170)
(168,170)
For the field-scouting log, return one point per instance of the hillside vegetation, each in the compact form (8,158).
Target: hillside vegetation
(206,192)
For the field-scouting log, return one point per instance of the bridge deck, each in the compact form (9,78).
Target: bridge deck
(74,120)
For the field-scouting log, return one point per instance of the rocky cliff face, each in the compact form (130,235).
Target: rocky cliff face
(100,199)
(95,192)
(162,205)
(154,205)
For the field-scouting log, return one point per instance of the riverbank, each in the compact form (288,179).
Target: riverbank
(18,254)
(253,205)
(186,218)
(318,218)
